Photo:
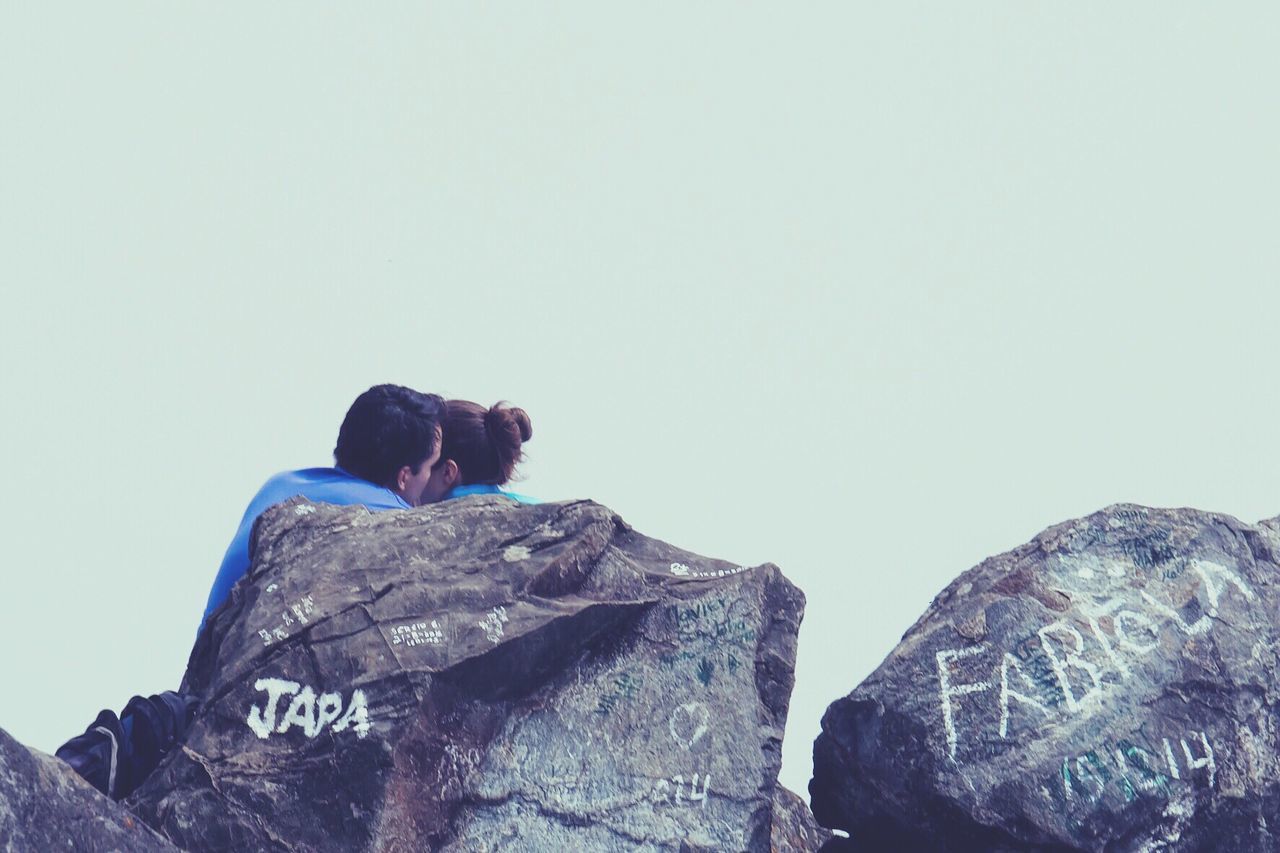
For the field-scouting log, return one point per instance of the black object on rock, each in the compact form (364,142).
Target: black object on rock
(116,753)
(1111,685)
(480,675)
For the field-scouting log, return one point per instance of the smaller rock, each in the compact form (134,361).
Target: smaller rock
(44,805)
(794,829)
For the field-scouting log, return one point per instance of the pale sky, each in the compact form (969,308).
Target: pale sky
(868,290)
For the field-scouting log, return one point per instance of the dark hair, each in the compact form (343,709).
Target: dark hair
(386,428)
(485,443)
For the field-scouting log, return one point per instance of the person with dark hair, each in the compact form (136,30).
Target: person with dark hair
(481,450)
(387,434)
(387,445)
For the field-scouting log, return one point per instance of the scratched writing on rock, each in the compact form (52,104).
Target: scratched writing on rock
(621,690)
(717,620)
(1068,665)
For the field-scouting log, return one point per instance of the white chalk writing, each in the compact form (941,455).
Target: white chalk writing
(417,634)
(306,711)
(302,609)
(1205,760)
(944,659)
(688,723)
(294,613)
(673,791)
(493,623)
(1075,662)
(681,570)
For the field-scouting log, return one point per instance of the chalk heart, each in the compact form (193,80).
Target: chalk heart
(689,723)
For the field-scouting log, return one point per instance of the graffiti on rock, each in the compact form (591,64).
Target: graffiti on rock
(1070,664)
(307,711)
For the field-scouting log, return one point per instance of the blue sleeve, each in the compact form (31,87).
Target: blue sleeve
(317,484)
(235,563)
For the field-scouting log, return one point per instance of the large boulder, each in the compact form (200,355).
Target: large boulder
(480,675)
(45,806)
(1110,685)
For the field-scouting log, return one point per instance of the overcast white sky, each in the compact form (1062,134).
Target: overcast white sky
(869,290)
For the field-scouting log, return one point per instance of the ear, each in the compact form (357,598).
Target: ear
(402,478)
(452,474)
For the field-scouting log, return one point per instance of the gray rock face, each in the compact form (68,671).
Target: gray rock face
(1110,685)
(44,805)
(794,829)
(479,675)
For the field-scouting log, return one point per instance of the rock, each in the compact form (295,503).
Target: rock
(480,675)
(1110,685)
(794,829)
(45,806)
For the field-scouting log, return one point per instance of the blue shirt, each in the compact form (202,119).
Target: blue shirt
(323,485)
(484,489)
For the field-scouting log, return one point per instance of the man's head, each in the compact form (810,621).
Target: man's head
(391,436)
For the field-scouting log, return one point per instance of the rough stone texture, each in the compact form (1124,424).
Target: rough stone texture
(1110,685)
(794,829)
(534,678)
(45,806)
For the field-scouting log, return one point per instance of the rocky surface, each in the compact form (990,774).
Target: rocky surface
(1111,685)
(480,675)
(45,806)
(794,829)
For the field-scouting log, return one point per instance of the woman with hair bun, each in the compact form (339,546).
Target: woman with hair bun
(480,451)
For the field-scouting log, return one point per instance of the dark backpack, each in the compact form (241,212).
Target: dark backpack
(116,754)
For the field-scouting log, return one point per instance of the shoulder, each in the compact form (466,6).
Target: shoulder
(333,485)
(286,484)
(324,485)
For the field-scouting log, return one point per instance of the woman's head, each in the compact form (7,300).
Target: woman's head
(480,446)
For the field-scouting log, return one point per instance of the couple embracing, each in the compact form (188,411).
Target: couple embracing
(397,448)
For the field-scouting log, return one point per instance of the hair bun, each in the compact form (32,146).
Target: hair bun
(508,428)
(508,424)
(522,423)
